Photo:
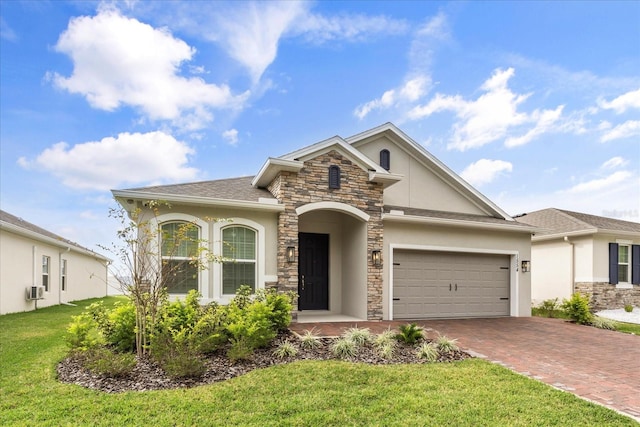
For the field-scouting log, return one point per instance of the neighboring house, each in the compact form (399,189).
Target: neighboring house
(60,270)
(586,253)
(368,227)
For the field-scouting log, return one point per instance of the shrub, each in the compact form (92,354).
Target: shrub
(280,306)
(344,348)
(410,333)
(103,361)
(602,323)
(359,336)
(428,352)
(577,307)
(184,364)
(209,332)
(286,349)
(121,330)
(309,341)
(446,345)
(385,338)
(83,333)
(386,350)
(628,308)
(549,308)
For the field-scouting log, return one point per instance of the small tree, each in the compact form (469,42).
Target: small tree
(144,264)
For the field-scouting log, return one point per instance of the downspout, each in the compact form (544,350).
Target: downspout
(572,271)
(60,274)
(33,278)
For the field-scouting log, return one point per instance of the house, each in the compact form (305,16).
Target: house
(368,227)
(57,269)
(577,252)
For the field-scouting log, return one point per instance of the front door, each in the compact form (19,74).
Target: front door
(313,271)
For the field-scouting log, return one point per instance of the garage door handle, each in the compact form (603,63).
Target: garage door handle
(449,287)
(456,287)
(396,299)
(504,299)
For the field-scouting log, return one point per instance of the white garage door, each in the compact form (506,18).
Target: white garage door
(448,285)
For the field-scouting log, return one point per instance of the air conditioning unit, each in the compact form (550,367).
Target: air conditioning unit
(35,292)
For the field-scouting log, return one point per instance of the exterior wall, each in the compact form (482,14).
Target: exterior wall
(584,268)
(421,188)
(310,185)
(605,296)
(551,270)
(461,239)
(21,266)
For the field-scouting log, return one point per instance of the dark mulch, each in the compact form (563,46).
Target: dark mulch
(148,375)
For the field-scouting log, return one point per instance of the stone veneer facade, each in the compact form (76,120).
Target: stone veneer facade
(310,185)
(605,296)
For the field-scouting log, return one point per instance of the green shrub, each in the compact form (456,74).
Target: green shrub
(209,332)
(386,350)
(344,348)
(184,364)
(280,306)
(578,309)
(286,349)
(103,361)
(309,341)
(83,333)
(602,323)
(446,345)
(628,308)
(428,352)
(384,338)
(359,336)
(410,333)
(121,329)
(548,308)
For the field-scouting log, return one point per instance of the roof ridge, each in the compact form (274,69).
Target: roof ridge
(567,214)
(572,213)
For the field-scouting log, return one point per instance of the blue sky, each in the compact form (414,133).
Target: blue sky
(537,104)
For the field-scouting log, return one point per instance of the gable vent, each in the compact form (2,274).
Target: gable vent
(334,177)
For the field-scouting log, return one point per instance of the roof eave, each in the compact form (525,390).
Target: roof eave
(271,205)
(272,167)
(586,232)
(510,227)
(386,179)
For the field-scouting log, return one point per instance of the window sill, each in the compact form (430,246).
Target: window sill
(624,286)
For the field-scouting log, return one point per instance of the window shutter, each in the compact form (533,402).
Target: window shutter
(613,263)
(334,176)
(385,159)
(635,264)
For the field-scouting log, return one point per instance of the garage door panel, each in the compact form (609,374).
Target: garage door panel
(422,283)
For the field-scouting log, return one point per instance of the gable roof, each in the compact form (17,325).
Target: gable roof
(433,164)
(558,222)
(236,192)
(18,225)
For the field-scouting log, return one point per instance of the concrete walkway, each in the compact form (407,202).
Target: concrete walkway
(598,365)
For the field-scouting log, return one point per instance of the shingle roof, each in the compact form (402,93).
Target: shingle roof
(6,217)
(554,221)
(453,216)
(231,189)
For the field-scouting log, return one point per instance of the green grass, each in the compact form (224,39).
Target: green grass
(469,393)
(627,328)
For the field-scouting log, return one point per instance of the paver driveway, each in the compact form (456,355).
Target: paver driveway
(599,365)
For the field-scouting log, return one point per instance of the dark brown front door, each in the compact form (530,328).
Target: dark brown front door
(313,271)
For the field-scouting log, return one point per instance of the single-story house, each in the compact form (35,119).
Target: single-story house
(368,227)
(577,252)
(39,268)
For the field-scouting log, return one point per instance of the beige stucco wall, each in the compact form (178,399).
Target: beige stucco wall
(461,239)
(21,266)
(421,188)
(551,270)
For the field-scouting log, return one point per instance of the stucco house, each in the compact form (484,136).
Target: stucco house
(367,227)
(577,252)
(39,268)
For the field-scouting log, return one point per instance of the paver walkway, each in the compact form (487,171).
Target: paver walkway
(598,365)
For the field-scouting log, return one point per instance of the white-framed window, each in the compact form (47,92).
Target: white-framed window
(624,270)
(239,244)
(46,265)
(63,274)
(179,245)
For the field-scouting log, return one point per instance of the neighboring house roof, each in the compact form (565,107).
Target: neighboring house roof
(557,222)
(20,226)
(406,214)
(229,192)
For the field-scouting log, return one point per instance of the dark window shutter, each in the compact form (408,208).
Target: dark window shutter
(613,263)
(385,159)
(635,264)
(334,177)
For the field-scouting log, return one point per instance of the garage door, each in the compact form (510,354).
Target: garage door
(448,284)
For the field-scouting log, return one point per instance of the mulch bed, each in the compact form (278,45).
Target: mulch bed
(147,375)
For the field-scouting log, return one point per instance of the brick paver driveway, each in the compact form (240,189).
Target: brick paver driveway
(598,365)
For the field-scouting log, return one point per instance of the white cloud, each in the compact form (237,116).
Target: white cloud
(600,183)
(231,136)
(614,162)
(545,120)
(485,171)
(6,32)
(122,61)
(130,158)
(410,91)
(350,27)
(624,130)
(623,103)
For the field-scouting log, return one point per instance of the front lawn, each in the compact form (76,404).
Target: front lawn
(472,392)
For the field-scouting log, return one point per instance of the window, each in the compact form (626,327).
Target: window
(63,275)
(623,264)
(385,159)
(179,247)
(239,246)
(334,177)
(46,262)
